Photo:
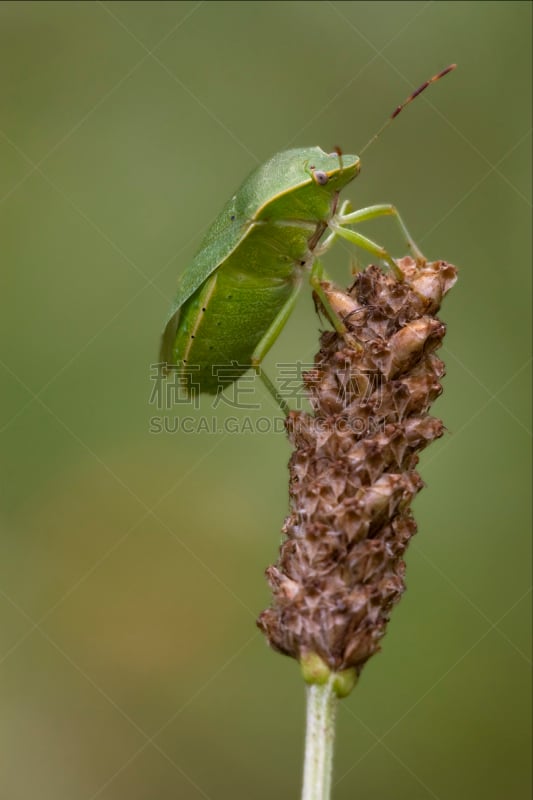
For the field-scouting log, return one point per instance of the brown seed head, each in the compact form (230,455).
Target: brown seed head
(352,472)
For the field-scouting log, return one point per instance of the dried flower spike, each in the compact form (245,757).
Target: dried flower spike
(353,471)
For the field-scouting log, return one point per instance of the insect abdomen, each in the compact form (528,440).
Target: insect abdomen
(218,336)
(223,322)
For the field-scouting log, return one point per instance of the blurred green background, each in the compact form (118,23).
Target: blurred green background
(132,562)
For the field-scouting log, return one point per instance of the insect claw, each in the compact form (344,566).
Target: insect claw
(398,274)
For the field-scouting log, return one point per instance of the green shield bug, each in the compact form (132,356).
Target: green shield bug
(238,292)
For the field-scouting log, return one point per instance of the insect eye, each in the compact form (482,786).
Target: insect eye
(320,177)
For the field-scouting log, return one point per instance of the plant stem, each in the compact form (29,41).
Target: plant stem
(319,738)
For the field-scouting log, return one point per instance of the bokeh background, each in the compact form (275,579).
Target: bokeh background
(132,562)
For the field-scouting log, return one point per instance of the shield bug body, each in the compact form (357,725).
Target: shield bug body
(241,287)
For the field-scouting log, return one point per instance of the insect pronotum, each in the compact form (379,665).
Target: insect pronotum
(237,294)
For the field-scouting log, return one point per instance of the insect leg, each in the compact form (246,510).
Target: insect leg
(317,276)
(330,238)
(268,340)
(367,244)
(267,383)
(333,301)
(372,212)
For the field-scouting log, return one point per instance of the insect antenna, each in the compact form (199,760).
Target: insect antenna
(406,102)
(338,152)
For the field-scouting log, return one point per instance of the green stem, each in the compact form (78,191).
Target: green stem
(319,738)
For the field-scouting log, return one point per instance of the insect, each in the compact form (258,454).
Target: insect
(238,292)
